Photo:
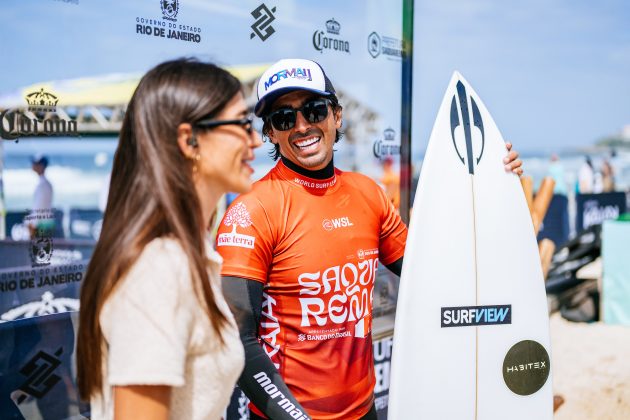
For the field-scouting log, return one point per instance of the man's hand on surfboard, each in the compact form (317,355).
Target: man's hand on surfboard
(512,162)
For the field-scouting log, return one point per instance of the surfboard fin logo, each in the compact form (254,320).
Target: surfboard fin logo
(466,118)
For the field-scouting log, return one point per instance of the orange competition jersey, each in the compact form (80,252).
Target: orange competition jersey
(315,244)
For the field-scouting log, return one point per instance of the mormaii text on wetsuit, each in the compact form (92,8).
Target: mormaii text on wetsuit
(467,316)
(278,397)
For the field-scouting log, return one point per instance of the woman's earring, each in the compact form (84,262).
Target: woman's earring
(195,158)
(196,164)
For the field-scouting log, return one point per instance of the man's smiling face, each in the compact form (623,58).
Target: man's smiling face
(309,145)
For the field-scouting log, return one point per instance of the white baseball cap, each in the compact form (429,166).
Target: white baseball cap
(288,75)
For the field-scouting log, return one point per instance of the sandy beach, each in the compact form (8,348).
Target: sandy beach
(591,370)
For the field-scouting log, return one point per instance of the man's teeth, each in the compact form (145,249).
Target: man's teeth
(306,142)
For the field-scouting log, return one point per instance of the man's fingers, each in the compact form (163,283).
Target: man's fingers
(511,157)
(514,166)
(508,146)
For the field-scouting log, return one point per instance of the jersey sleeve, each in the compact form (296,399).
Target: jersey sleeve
(147,322)
(393,233)
(245,240)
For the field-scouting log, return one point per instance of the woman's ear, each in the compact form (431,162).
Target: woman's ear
(186,139)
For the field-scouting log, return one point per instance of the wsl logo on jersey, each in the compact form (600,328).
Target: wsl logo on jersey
(237,216)
(471,316)
(339,222)
(474,139)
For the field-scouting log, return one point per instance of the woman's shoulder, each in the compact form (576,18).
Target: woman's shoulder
(162,263)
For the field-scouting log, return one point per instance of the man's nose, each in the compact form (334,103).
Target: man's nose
(301,123)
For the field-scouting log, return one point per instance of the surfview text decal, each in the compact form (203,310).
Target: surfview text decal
(470,316)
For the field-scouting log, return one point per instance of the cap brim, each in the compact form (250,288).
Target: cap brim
(263,105)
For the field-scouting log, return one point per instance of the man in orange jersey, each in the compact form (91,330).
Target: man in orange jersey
(300,255)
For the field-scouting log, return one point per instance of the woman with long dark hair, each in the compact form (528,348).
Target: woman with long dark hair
(156,338)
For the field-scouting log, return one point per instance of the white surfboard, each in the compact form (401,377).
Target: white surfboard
(471,338)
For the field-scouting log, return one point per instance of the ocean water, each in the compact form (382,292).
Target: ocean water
(79,169)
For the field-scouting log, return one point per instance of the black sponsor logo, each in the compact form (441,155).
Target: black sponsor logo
(329,40)
(40,374)
(526,367)
(39,120)
(387,145)
(170,8)
(41,248)
(385,45)
(166,27)
(466,117)
(467,316)
(374,44)
(262,26)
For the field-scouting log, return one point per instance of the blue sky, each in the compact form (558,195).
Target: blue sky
(553,73)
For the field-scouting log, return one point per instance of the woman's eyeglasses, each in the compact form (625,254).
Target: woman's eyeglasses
(246,123)
(314,111)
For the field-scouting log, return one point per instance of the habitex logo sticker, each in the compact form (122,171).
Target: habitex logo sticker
(237,216)
(526,367)
(262,26)
(167,26)
(40,374)
(463,119)
(40,119)
(387,145)
(470,316)
(330,39)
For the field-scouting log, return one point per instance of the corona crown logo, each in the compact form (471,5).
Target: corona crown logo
(332,26)
(42,101)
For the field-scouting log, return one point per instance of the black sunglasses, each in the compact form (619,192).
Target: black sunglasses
(314,111)
(246,123)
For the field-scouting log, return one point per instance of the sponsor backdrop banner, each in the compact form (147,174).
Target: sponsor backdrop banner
(593,209)
(73,70)
(555,225)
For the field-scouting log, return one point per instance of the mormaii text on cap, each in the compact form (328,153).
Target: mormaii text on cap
(288,75)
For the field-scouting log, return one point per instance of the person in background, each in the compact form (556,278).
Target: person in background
(586,177)
(556,171)
(391,181)
(156,338)
(41,215)
(608,177)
